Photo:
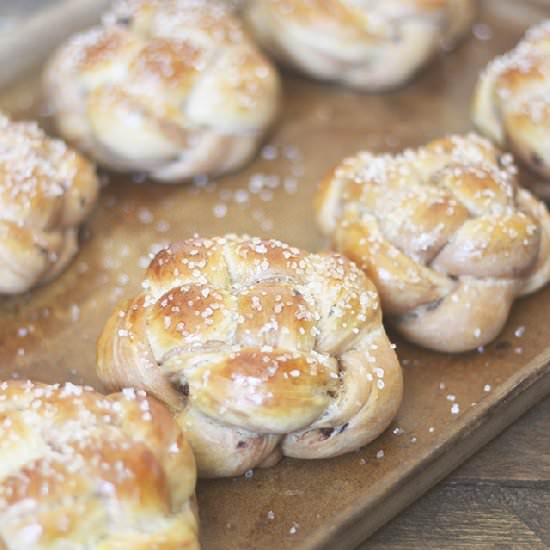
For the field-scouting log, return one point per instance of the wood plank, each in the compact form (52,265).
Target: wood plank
(521,455)
(484,517)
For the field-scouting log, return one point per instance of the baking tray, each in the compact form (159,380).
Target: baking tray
(453,404)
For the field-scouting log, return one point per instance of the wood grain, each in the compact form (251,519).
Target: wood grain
(519,457)
(471,517)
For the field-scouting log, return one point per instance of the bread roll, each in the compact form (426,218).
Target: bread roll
(371,45)
(46,192)
(83,471)
(169,88)
(511,103)
(445,233)
(260,350)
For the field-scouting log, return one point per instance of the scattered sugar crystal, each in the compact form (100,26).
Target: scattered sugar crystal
(219,210)
(201,180)
(241,196)
(75,312)
(482,31)
(162,226)
(145,216)
(290,185)
(129,393)
(82,267)
(269,152)
(266,195)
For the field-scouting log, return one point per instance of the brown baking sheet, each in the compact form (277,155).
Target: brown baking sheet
(453,404)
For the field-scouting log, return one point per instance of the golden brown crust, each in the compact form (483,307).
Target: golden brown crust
(374,46)
(173,88)
(444,233)
(92,471)
(46,191)
(511,104)
(257,347)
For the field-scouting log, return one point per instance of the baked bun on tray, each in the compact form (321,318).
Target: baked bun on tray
(86,471)
(445,233)
(512,102)
(170,88)
(47,191)
(260,350)
(368,44)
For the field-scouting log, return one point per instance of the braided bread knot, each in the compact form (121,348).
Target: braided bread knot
(511,102)
(260,349)
(46,192)
(444,232)
(172,88)
(371,45)
(83,470)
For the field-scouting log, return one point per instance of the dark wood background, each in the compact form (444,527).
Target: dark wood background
(500,498)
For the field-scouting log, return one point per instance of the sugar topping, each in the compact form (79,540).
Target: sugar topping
(261,337)
(33,167)
(67,448)
(529,61)
(154,53)
(280,285)
(419,165)
(441,228)
(462,177)
(46,191)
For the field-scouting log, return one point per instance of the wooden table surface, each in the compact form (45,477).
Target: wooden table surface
(500,498)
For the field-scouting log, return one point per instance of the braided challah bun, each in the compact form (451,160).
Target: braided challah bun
(46,191)
(83,471)
(368,44)
(172,88)
(260,349)
(444,232)
(512,101)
